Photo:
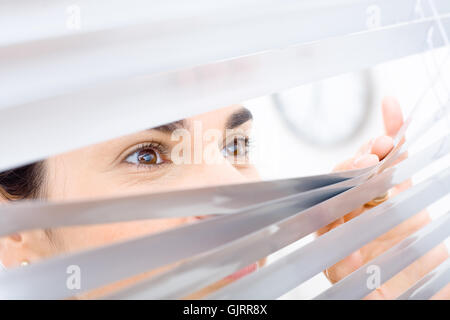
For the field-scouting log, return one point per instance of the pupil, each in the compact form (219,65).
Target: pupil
(147,157)
(236,148)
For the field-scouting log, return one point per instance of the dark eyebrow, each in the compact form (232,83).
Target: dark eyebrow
(170,127)
(238,117)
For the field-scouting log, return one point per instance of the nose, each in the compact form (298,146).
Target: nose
(203,175)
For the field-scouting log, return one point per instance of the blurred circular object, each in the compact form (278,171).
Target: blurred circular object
(328,112)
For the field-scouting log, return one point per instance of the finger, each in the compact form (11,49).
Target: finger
(365,148)
(392,116)
(382,146)
(443,294)
(354,163)
(345,165)
(401,187)
(365,161)
(344,267)
(330,226)
(411,274)
(360,162)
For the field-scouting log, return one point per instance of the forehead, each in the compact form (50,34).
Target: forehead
(214,119)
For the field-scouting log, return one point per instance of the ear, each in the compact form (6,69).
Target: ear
(3,196)
(3,201)
(29,246)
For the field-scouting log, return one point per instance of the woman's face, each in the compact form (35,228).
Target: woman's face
(141,163)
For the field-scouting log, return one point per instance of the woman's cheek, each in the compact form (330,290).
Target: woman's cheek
(86,237)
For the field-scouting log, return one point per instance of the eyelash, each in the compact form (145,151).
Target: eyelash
(156,146)
(247,140)
(163,150)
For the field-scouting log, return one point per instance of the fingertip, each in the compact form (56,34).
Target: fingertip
(389,100)
(382,146)
(392,115)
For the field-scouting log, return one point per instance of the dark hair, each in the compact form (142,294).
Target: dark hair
(23,182)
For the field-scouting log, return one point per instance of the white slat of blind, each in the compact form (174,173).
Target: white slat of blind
(392,261)
(29,215)
(203,236)
(45,110)
(217,200)
(78,119)
(222,261)
(429,285)
(293,269)
(25,21)
(86,59)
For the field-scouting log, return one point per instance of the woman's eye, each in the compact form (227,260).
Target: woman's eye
(146,156)
(237,148)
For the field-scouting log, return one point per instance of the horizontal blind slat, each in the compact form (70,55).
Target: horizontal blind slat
(429,285)
(203,236)
(83,60)
(28,21)
(295,268)
(222,261)
(354,286)
(77,119)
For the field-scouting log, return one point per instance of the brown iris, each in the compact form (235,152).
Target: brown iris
(147,156)
(237,147)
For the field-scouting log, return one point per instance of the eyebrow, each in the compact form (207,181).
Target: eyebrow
(170,127)
(238,118)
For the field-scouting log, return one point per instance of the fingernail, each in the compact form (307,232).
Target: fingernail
(382,146)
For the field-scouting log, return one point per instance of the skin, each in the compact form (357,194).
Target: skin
(102,170)
(370,154)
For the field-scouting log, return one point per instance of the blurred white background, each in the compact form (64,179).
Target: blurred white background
(321,124)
